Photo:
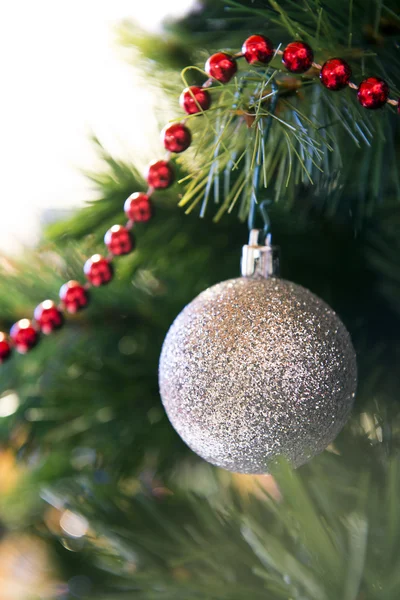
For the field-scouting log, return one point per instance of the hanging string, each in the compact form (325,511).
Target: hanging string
(254,204)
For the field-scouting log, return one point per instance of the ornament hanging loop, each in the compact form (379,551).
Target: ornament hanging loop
(259,260)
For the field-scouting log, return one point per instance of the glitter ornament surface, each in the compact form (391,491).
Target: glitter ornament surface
(256,368)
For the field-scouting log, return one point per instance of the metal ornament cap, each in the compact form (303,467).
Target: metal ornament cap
(255,368)
(259,260)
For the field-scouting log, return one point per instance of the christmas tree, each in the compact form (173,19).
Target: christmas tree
(100,496)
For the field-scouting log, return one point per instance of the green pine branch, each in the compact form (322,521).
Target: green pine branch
(332,532)
(318,139)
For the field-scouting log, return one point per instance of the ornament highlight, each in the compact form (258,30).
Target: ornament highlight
(176,137)
(194,99)
(23,336)
(160,175)
(138,207)
(373,93)
(221,66)
(255,368)
(73,296)
(335,74)
(258,48)
(48,317)
(98,270)
(298,57)
(118,240)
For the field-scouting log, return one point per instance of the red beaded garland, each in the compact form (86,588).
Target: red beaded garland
(221,66)
(160,174)
(118,240)
(23,336)
(298,57)
(258,48)
(335,74)
(74,296)
(98,270)
(138,207)
(194,99)
(5,348)
(176,137)
(48,317)
(373,93)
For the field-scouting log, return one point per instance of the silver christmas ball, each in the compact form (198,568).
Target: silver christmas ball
(254,368)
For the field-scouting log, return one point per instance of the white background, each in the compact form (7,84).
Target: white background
(63,77)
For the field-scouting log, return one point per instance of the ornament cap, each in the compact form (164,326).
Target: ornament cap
(259,260)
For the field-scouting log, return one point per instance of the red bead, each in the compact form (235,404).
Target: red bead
(335,74)
(298,57)
(138,207)
(176,138)
(258,48)
(24,336)
(98,270)
(221,66)
(373,93)
(74,296)
(48,317)
(194,99)
(118,240)
(5,348)
(160,175)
